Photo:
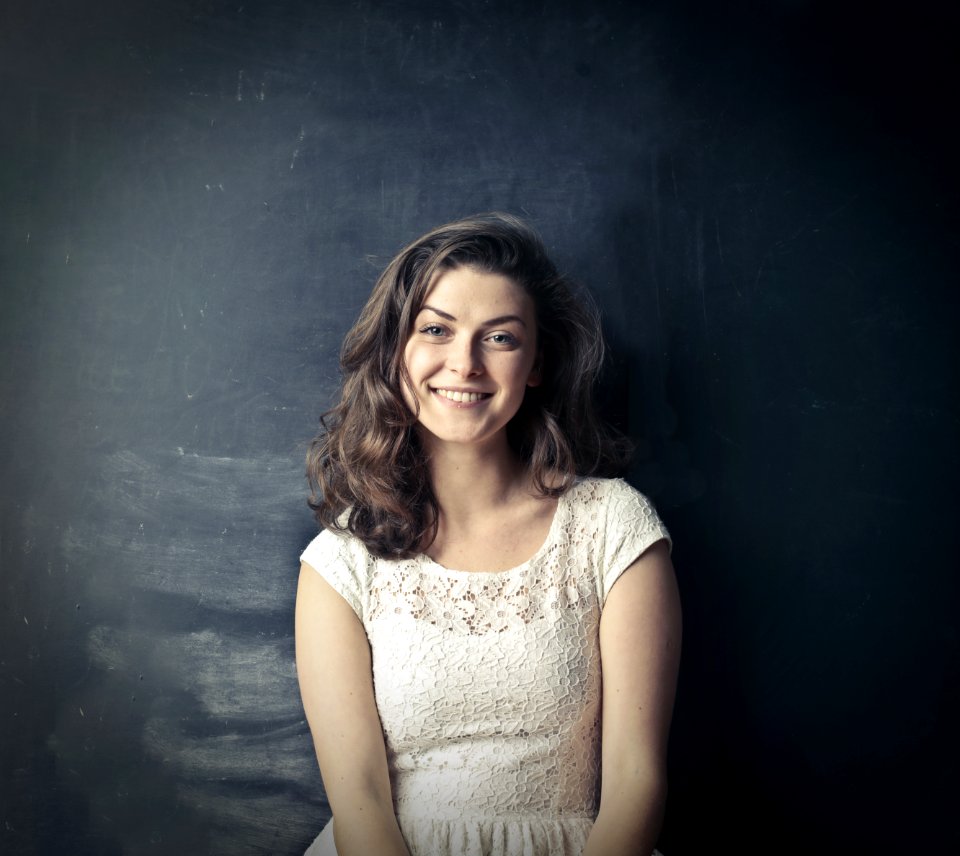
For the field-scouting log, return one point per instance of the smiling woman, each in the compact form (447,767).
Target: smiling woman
(370,435)
(481,607)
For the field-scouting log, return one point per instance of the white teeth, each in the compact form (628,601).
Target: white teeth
(454,395)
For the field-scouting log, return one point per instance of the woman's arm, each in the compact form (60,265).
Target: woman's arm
(640,631)
(336,683)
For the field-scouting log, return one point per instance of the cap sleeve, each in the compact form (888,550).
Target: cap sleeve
(631,525)
(338,560)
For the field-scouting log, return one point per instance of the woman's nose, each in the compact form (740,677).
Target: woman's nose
(464,359)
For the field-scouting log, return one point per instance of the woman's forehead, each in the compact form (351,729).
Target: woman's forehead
(469,291)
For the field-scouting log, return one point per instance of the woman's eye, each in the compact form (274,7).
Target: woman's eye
(502,339)
(432,330)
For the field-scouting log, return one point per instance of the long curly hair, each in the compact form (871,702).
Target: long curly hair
(366,467)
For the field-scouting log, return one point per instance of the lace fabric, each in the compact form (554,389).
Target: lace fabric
(488,684)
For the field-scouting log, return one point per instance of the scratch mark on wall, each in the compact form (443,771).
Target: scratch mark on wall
(756,281)
(726,439)
(408,48)
(296,152)
(701,270)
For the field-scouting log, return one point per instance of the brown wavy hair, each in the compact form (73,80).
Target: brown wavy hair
(366,468)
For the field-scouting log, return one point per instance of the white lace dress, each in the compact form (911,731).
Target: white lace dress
(488,684)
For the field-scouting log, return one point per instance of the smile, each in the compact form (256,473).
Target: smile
(461,397)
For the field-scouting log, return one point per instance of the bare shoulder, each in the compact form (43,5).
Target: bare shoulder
(326,627)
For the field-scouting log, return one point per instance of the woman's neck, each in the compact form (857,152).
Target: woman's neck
(491,518)
(470,479)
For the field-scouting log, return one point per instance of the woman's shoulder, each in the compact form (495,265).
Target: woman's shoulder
(344,562)
(615,505)
(608,491)
(336,545)
(620,522)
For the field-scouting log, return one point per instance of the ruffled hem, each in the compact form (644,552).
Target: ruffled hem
(482,837)
(499,837)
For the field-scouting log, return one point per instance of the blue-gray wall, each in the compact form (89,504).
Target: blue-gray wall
(196,198)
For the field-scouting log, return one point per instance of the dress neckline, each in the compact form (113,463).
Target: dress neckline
(555,524)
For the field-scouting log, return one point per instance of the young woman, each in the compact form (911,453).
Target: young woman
(483,621)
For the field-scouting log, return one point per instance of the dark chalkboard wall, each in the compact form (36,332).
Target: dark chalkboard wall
(196,197)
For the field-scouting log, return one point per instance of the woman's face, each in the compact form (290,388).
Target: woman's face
(471,356)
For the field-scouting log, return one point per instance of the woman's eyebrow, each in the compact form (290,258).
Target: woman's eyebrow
(500,319)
